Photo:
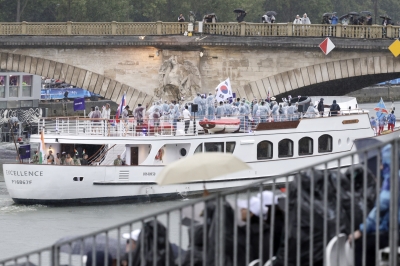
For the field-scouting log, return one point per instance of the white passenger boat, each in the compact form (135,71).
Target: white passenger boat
(270,149)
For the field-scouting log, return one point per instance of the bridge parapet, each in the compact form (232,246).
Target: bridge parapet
(176,28)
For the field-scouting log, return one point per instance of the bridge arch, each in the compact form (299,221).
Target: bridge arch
(82,78)
(329,78)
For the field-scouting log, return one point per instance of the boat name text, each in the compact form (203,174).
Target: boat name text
(352,121)
(24,173)
(21,182)
(149,174)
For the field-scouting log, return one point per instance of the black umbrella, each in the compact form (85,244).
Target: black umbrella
(271,13)
(239,10)
(365,13)
(329,14)
(88,245)
(353,14)
(386,17)
(344,16)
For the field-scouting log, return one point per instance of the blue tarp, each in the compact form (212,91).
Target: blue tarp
(392,82)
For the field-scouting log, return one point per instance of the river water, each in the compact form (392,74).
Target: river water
(25,228)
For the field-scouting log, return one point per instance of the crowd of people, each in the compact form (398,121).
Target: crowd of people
(61,159)
(207,107)
(261,220)
(379,123)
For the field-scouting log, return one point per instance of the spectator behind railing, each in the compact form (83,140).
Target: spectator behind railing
(384,215)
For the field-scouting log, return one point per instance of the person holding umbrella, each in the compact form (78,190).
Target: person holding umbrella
(240,14)
(269,17)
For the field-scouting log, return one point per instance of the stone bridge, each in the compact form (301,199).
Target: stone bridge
(148,67)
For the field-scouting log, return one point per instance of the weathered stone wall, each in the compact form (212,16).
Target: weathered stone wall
(113,66)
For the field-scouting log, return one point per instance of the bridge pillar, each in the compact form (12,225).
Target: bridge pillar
(290,29)
(159,27)
(23,27)
(389,29)
(69,27)
(338,30)
(242,28)
(113,27)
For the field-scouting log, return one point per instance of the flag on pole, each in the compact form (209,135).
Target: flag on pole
(42,151)
(120,107)
(224,91)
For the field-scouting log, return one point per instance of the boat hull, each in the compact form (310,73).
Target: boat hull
(82,185)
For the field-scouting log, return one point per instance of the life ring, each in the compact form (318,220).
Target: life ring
(159,154)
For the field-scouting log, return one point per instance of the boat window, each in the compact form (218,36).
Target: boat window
(199,148)
(285,148)
(214,147)
(306,146)
(230,147)
(325,143)
(264,150)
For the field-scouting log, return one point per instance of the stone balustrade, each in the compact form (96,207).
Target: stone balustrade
(176,28)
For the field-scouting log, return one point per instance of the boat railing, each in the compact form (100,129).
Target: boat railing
(161,127)
(306,218)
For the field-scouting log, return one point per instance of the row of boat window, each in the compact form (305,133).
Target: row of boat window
(285,147)
(265,147)
(216,147)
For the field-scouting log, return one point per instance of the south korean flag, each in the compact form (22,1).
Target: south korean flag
(223,91)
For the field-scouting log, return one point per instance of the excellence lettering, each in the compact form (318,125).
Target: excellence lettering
(24,173)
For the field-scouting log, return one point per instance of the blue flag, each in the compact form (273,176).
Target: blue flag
(79,104)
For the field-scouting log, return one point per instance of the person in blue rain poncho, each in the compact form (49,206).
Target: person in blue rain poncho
(384,216)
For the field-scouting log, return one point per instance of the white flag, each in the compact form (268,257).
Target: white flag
(223,91)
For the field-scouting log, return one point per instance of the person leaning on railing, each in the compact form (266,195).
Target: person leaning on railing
(384,215)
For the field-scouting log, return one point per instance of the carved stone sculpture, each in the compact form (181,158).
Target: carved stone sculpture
(178,80)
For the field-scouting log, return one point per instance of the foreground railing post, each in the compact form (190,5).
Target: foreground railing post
(54,256)
(394,193)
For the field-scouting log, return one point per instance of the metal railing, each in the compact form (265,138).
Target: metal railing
(221,28)
(304,219)
(164,126)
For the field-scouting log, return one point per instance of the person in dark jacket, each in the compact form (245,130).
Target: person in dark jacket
(321,107)
(240,16)
(335,108)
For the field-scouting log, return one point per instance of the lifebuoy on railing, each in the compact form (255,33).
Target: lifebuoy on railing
(160,154)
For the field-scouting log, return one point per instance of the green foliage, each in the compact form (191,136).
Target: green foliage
(169,10)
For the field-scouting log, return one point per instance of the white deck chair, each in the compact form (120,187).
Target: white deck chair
(336,249)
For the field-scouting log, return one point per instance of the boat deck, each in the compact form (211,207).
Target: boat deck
(78,126)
